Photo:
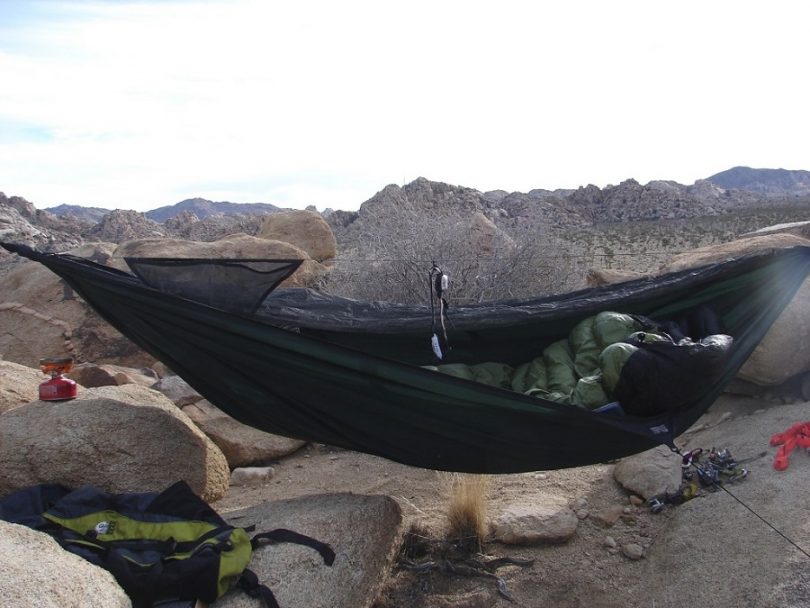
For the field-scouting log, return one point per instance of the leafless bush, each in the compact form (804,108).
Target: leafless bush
(392,258)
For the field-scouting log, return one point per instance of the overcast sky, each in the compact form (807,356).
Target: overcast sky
(141,104)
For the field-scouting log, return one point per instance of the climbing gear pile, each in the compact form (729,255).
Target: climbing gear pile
(797,436)
(701,470)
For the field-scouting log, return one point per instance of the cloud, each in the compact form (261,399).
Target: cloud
(131,103)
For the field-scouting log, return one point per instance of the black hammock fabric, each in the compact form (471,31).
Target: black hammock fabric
(352,389)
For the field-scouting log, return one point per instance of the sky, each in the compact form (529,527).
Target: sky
(138,104)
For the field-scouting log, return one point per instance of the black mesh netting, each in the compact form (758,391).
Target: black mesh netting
(235,285)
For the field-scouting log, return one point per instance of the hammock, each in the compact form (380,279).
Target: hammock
(322,376)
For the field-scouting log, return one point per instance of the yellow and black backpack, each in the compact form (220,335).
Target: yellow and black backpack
(162,547)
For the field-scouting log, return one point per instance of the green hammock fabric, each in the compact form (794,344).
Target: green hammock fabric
(351,389)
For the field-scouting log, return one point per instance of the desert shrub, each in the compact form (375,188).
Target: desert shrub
(467,510)
(391,261)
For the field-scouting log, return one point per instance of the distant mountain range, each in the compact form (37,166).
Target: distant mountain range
(200,207)
(91,214)
(739,184)
(768,182)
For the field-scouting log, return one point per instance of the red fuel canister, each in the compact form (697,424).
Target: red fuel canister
(58,388)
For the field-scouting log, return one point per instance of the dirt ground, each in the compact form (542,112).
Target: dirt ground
(583,572)
(749,548)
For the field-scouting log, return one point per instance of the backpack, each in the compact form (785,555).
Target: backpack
(160,547)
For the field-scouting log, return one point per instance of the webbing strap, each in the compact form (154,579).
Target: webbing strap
(281,535)
(249,583)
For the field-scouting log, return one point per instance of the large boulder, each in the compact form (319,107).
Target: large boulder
(731,250)
(18,384)
(242,445)
(785,350)
(234,246)
(364,531)
(41,317)
(35,572)
(739,545)
(304,229)
(119,438)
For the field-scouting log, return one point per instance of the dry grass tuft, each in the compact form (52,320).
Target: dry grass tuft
(417,543)
(467,510)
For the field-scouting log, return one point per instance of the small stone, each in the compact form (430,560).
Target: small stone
(636,501)
(540,476)
(581,502)
(608,517)
(582,513)
(633,551)
(248,476)
(610,542)
(547,521)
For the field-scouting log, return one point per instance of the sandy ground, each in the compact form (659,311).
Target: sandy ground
(581,572)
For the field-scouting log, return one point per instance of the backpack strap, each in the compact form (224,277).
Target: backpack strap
(249,583)
(281,535)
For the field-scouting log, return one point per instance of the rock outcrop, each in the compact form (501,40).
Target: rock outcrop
(121,439)
(306,230)
(18,385)
(713,538)
(118,226)
(242,445)
(35,572)
(364,531)
(29,329)
(41,317)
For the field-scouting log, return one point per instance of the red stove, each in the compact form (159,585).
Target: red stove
(58,388)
